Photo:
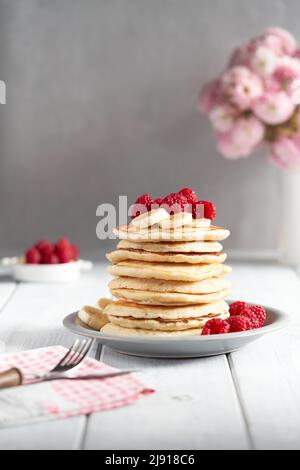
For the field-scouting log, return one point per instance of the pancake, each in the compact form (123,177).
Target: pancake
(207,286)
(167,271)
(111,329)
(212,233)
(130,309)
(141,255)
(167,298)
(93,317)
(177,247)
(161,325)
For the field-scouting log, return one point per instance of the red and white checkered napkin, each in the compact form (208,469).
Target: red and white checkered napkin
(62,398)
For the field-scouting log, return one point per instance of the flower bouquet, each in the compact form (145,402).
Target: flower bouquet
(256,100)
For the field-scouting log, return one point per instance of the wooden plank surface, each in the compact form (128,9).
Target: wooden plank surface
(267,372)
(252,401)
(33,318)
(7,288)
(194,407)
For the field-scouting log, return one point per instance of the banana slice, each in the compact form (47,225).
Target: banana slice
(93,317)
(147,219)
(177,220)
(201,223)
(101,304)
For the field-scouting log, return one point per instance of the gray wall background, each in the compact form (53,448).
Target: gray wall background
(102,101)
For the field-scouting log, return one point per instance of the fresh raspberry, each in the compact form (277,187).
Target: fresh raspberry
(260,314)
(44,247)
(248,312)
(237,307)
(171,205)
(189,194)
(175,203)
(50,258)
(183,202)
(169,199)
(206,331)
(63,243)
(76,252)
(33,256)
(158,201)
(198,210)
(217,326)
(65,254)
(209,210)
(143,200)
(239,323)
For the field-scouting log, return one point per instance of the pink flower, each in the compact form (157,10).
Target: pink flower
(287,75)
(274,108)
(287,41)
(249,131)
(241,87)
(296,139)
(272,42)
(210,96)
(285,152)
(240,56)
(223,117)
(278,41)
(289,63)
(272,85)
(243,55)
(242,139)
(229,148)
(264,61)
(297,54)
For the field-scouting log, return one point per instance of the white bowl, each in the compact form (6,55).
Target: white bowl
(65,272)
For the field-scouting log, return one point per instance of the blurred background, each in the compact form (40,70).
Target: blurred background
(102,101)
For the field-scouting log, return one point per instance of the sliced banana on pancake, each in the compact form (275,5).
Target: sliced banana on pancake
(177,220)
(198,223)
(169,277)
(147,219)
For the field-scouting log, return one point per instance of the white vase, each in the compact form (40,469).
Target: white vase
(289,217)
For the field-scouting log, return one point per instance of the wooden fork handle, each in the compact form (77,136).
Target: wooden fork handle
(10,378)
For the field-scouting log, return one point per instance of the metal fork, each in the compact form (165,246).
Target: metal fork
(73,357)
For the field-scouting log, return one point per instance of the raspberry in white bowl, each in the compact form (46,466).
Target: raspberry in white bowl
(48,262)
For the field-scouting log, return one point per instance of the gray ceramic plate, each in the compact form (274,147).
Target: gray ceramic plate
(198,346)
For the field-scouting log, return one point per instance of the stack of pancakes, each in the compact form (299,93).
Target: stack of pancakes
(168,280)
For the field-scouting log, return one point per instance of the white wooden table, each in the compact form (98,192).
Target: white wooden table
(246,400)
